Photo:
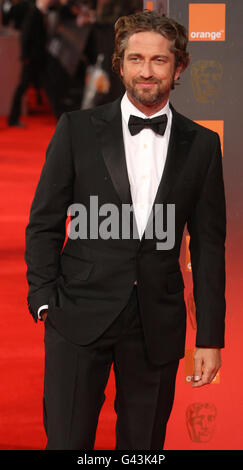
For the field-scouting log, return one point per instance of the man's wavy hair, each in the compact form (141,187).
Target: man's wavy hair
(147,20)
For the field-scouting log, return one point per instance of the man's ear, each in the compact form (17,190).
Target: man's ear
(121,66)
(121,70)
(179,70)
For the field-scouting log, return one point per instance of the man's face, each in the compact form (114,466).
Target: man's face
(148,68)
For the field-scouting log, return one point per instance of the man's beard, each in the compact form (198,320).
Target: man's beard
(147,97)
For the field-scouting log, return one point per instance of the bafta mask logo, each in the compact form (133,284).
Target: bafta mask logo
(200,421)
(206,78)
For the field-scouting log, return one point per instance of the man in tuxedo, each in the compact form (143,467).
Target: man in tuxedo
(118,300)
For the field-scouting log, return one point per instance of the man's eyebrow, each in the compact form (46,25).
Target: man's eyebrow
(160,56)
(134,53)
(156,56)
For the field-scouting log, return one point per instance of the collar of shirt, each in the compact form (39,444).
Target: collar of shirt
(128,108)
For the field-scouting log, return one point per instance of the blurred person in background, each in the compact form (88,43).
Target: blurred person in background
(64,76)
(33,56)
(14,18)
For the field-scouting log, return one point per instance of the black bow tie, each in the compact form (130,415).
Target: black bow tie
(157,124)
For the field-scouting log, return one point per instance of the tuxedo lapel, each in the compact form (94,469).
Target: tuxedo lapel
(180,141)
(108,127)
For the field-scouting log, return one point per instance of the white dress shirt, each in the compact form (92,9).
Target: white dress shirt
(145,157)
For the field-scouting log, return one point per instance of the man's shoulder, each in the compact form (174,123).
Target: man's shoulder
(191,125)
(102,111)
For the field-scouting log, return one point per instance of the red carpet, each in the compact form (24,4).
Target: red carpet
(22,153)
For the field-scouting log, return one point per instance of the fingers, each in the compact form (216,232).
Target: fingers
(207,377)
(206,365)
(198,371)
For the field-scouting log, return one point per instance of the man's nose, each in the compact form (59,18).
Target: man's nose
(146,71)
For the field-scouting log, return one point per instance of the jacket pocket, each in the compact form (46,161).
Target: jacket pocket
(175,282)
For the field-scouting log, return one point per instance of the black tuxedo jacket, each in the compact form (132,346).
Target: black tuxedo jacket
(88,282)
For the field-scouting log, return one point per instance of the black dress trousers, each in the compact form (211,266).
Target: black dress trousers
(75,381)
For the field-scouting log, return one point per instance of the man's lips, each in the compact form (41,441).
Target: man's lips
(146,84)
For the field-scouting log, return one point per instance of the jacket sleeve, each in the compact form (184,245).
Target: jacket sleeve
(46,230)
(207,230)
